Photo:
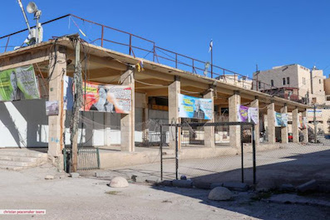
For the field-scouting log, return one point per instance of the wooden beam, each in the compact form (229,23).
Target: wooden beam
(24,60)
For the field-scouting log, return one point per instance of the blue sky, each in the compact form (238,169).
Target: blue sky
(245,32)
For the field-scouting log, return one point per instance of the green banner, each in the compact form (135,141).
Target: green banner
(8,85)
(18,83)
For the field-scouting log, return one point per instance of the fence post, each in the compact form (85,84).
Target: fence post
(176,153)
(161,152)
(130,44)
(102,36)
(254,154)
(176,60)
(154,52)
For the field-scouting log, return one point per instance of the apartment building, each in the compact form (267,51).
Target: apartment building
(294,82)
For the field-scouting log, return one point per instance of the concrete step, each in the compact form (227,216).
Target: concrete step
(16,163)
(8,167)
(19,159)
(22,153)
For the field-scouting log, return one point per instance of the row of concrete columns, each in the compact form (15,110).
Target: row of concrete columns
(235,134)
(56,123)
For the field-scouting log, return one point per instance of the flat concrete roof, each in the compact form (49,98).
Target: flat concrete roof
(106,66)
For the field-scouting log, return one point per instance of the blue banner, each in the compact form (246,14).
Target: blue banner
(192,107)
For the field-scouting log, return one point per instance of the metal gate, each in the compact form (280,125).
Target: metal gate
(88,159)
(243,138)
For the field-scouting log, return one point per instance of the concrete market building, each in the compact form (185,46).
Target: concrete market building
(155,92)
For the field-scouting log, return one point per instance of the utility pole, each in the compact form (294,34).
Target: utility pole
(77,79)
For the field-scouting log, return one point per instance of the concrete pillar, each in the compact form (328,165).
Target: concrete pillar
(234,131)
(209,140)
(255,104)
(173,111)
(145,118)
(127,122)
(271,123)
(284,130)
(305,131)
(107,129)
(295,126)
(56,122)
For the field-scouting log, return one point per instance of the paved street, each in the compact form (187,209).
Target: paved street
(89,197)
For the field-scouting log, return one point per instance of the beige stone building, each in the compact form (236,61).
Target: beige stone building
(299,83)
(309,83)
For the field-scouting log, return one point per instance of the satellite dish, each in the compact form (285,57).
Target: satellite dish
(32,7)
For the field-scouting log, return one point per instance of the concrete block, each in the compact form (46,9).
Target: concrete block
(152,179)
(167,183)
(74,175)
(202,185)
(183,183)
(236,186)
(310,185)
(287,188)
(214,185)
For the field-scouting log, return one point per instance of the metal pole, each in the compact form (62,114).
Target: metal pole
(242,156)
(7,43)
(25,18)
(254,154)
(315,125)
(176,153)
(212,62)
(161,152)
(102,36)
(130,44)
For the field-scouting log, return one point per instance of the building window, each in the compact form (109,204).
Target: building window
(283,81)
(320,82)
(259,85)
(304,81)
(271,83)
(313,100)
(288,80)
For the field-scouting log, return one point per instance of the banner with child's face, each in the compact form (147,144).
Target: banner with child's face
(107,98)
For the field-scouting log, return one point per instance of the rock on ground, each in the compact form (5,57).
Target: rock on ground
(220,194)
(118,182)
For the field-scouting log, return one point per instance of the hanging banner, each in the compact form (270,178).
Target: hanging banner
(243,113)
(278,119)
(305,122)
(254,115)
(8,85)
(284,119)
(27,82)
(247,114)
(107,98)
(192,107)
(18,83)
